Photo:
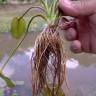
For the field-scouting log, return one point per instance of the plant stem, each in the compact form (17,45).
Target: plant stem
(18,45)
(43,3)
(33,7)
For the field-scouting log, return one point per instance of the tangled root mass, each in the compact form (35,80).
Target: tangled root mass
(48,63)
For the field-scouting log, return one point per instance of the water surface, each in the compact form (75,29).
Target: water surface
(81,68)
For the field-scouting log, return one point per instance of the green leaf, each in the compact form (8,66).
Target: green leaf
(60,91)
(14,24)
(1,92)
(18,27)
(47,92)
(9,83)
(14,94)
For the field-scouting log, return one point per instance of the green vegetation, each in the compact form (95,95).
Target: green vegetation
(9,83)
(1,92)
(5,23)
(3,1)
(6,15)
(47,43)
(7,12)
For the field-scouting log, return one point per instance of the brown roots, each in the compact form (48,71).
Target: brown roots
(48,63)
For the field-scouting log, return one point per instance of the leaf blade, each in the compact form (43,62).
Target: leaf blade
(9,83)
(18,27)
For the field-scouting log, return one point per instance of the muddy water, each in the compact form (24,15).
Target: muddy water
(81,68)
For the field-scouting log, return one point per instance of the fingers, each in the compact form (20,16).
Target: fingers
(75,46)
(70,34)
(67,7)
(78,7)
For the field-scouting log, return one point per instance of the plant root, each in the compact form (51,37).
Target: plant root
(48,63)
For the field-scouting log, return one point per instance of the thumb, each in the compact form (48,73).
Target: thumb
(78,8)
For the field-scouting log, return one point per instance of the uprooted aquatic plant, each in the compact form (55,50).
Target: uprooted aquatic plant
(48,67)
(48,60)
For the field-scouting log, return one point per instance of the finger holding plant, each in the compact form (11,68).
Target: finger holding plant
(48,65)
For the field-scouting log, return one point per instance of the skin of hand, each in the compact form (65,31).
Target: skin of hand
(83,36)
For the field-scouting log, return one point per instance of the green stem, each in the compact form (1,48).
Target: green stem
(33,7)
(43,3)
(18,45)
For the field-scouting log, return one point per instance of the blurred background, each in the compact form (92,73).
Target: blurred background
(81,68)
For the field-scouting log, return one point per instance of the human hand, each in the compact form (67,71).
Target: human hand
(83,36)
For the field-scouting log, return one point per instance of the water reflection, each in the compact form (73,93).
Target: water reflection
(18,69)
(72,63)
(82,81)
